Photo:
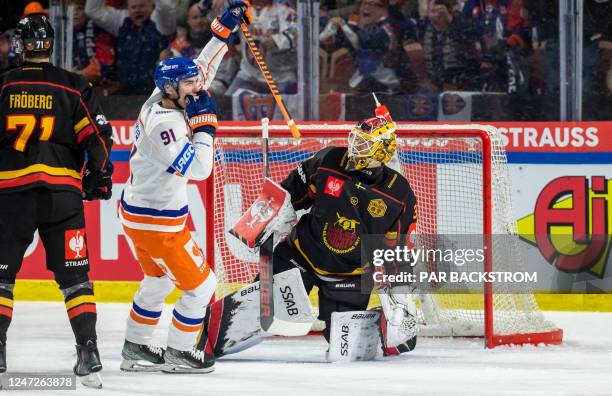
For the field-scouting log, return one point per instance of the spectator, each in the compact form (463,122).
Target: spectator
(8,58)
(210,8)
(339,8)
(403,18)
(449,49)
(34,7)
(370,38)
(597,17)
(274,29)
(142,32)
(93,53)
(504,42)
(190,41)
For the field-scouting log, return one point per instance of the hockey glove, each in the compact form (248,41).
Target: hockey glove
(400,314)
(228,22)
(201,112)
(97,184)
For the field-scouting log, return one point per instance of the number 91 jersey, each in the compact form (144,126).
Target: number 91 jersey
(165,156)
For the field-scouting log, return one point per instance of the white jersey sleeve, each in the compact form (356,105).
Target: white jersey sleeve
(174,147)
(210,58)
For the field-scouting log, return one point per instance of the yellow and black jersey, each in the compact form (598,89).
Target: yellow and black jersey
(345,207)
(49,119)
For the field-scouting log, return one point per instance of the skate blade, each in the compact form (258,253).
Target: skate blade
(140,366)
(92,380)
(174,369)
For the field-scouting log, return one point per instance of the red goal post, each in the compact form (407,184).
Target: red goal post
(455,169)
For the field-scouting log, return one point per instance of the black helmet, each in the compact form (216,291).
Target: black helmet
(33,33)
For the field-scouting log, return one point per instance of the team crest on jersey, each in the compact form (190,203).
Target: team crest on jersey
(333,186)
(255,107)
(377,208)
(75,248)
(341,236)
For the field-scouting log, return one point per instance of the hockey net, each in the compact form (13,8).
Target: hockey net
(460,177)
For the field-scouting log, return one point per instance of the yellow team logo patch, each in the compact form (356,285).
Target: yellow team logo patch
(377,207)
(341,236)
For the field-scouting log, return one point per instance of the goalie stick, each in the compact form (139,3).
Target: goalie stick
(266,261)
(249,229)
(269,322)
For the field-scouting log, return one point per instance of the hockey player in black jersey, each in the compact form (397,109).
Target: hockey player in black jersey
(351,194)
(49,120)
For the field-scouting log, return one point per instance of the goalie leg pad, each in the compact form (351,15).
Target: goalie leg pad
(232,324)
(354,335)
(346,295)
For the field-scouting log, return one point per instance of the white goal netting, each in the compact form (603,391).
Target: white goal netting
(445,167)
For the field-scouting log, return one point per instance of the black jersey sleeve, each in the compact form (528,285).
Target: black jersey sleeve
(93,130)
(406,223)
(299,182)
(399,232)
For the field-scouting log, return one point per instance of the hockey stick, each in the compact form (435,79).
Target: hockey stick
(266,282)
(271,84)
(270,323)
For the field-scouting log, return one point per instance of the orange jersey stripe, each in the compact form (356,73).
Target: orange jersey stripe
(211,62)
(152,220)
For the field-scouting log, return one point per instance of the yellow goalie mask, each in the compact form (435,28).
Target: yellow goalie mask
(371,144)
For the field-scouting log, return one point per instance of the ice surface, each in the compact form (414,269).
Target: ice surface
(40,340)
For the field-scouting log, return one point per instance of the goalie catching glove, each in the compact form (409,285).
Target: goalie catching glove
(399,315)
(271,214)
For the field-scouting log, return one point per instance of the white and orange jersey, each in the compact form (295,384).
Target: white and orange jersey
(165,156)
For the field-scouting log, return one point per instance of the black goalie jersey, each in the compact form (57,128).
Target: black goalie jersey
(344,207)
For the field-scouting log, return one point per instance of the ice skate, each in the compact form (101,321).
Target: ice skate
(193,361)
(88,365)
(138,357)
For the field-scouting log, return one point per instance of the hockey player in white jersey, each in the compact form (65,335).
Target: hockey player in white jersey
(173,144)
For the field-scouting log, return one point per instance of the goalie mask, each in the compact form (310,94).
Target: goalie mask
(371,144)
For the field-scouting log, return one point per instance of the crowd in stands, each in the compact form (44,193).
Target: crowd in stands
(392,46)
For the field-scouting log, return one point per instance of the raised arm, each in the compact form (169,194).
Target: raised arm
(164,16)
(108,18)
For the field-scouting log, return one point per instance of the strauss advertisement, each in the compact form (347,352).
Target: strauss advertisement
(561,175)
